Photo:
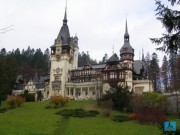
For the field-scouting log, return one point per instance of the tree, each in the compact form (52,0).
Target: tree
(172,70)
(104,59)
(164,73)
(84,59)
(147,62)
(119,95)
(8,70)
(170,19)
(154,71)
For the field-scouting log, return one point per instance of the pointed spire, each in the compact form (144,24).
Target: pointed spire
(65,15)
(126,35)
(143,55)
(126,30)
(113,50)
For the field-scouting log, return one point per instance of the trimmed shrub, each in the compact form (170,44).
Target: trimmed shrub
(59,100)
(151,116)
(133,116)
(64,100)
(66,112)
(78,113)
(55,100)
(3,110)
(120,118)
(19,100)
(92,113)
(48,107)
(11,101)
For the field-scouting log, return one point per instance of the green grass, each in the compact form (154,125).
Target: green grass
(34,119)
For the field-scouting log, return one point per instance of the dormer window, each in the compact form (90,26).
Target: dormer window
(124,49)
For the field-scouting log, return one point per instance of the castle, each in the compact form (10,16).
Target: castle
(90,81)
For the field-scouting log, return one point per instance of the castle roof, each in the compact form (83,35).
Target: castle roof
(113,58)
(64,33)
(126,48)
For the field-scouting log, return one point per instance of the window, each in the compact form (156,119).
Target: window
(113,75)
(124,49)
(139,90)
(56,78)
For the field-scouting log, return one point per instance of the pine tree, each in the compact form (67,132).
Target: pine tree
(170,19)
(172,70)
(164,73)
(154,72)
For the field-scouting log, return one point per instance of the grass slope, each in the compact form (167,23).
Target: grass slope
(34,119)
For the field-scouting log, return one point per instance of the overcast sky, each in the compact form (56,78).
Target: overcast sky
(99,24)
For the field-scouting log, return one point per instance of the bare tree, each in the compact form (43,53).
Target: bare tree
(6,29)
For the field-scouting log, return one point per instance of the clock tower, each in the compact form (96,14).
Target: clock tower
(64,57)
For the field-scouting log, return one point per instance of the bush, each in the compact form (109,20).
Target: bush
(119,95)
(107,106)
(48,107)
(19,100)
(14,101)
(3,110)
(151,116)
(149,100)
(137,102)
(133,116)
(11,101)
(64,100)
(78,113)
(59,100)
(92,113)
(119,118)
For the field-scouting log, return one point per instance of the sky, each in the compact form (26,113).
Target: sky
(99,24)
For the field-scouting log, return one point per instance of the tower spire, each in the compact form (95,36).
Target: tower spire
(126,35)
(126,30)
(113,50)
(143,55)
(65,14)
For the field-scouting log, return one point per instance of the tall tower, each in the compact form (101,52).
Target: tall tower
(127,58)
(64,57)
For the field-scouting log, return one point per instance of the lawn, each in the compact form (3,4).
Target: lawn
(34,119)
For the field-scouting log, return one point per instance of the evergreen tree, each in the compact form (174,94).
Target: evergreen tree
(170,19)
(8,70)
(84,59)
(104,59)
(164,73)
(172,70)
(147,62)
(154,72)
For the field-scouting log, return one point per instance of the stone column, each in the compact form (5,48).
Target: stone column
(88,91)
(81,91)
(74,92)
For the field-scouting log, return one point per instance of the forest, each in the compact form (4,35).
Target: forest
(31,61)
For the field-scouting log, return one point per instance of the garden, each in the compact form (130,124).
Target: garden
(115,113)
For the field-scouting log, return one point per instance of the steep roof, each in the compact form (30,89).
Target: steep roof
(140,67)
(126,48)
(64,33)
(137,66)
(113,58)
